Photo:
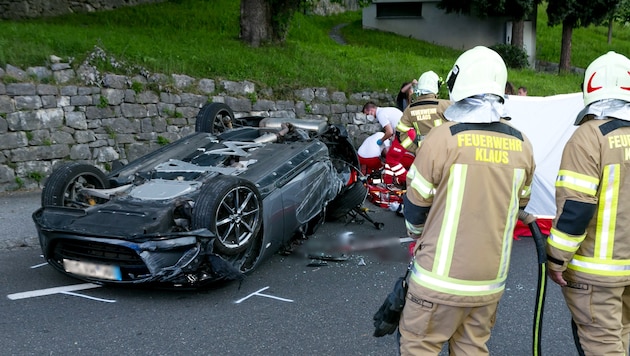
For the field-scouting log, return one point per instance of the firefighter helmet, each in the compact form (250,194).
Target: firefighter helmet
(428,83)
(479,70)
(607,77)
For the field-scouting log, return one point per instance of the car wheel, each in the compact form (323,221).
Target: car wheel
(214,118)
(62,188)
(232,209)
(346,201)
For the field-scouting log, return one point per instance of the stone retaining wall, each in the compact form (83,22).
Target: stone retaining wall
(20,9)
(99,118)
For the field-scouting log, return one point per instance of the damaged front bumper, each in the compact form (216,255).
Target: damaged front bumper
(178,259)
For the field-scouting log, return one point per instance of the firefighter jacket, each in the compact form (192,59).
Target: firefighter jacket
(590,235)
(422,115)
(466,185)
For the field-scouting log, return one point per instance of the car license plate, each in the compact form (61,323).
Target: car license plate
(95,270)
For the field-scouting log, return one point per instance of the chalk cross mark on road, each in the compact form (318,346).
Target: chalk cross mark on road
(257,293)
(68,290)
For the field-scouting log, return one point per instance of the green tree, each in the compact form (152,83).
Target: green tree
(264,21)
(517,10)
(622,12)
(619,14)
(572,14)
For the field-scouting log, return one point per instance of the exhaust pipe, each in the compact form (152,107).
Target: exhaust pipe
(270,137)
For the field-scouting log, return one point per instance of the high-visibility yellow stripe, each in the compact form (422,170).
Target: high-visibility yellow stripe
(402,127)
(406,143)
(450,221)
(416,230)
(564,242)
(607,212)
(415,126)
(578,182)
(455,286)
(596,266)
(526,191)
(421,185)
(438,279)
(508,231)
(437,122)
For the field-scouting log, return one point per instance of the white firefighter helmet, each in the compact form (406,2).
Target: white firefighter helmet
(607,77)
(479,70)
(428,83)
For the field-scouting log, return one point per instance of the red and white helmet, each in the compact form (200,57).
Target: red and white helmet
(607,77)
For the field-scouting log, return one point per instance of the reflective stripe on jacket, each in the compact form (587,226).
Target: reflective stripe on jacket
(474,177)
(591,232)
(422,115)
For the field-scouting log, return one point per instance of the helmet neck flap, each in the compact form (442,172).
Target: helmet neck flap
(605,109)
(477,109)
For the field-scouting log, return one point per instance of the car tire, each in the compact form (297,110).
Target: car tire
(232,209)
(346,201)
(214,118)
(63,184)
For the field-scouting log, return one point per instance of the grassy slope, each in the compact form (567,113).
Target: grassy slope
(200,38)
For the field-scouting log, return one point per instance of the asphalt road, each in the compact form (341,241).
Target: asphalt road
(287,307)
(16,227)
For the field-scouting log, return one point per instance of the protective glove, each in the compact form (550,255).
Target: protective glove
(379,142)
(387,317)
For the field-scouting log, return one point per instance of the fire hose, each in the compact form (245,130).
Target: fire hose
(347,243)
(541,290)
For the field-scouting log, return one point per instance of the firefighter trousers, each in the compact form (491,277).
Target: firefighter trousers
(602,317)
(425,327)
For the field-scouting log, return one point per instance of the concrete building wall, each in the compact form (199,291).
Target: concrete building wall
(457,31)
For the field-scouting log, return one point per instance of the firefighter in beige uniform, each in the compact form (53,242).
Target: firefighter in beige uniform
(470,177)
(589,243)
(426,112)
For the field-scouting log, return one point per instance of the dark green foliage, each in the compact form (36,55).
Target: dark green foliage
(516,9)
(521,9)
(514,57)
(622,13)
(579,13)
(200,38)
(282,12)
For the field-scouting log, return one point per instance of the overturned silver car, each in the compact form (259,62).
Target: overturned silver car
(210,206)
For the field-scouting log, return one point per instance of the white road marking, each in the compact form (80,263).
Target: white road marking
(50,291)
(263,295)
(39,265)
(89,297)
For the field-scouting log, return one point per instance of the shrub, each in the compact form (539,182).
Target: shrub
(103,102)
(36,176)
(163,141)
(137,87)
(514,57)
